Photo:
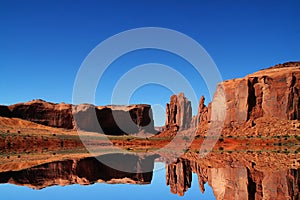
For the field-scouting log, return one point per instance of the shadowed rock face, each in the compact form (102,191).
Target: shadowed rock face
(272,92)
(114,120)
(178,113)
(237,182)
(131,169)
(4,111)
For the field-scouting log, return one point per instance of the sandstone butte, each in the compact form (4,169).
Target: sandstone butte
(270,95)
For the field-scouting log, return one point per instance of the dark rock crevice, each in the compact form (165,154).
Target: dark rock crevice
(251,186)
(251,96)
(293,101)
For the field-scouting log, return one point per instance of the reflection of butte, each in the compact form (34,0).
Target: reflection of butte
(236,180)
(130,169)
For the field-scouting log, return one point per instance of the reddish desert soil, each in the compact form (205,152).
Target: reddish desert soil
(267,135)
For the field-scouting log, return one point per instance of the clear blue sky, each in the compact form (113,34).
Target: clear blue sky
(43,43)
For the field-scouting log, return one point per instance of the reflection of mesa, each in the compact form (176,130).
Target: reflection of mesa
(118,169)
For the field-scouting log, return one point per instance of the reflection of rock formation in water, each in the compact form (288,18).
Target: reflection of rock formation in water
(237,182)
(179,176)
(130,169)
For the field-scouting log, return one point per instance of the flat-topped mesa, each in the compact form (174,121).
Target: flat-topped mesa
(178,113)
(272,92)
(115,120)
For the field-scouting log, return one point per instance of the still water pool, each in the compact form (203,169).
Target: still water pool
(157,189)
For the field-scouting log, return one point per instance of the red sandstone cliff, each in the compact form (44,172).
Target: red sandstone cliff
(272,92)
(46,113)
(112,119)
(178,113)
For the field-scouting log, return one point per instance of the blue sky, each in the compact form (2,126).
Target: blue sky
(43,43)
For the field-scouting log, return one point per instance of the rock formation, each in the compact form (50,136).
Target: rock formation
(42,112)
(86,171)
(235,182)
(202,114)
(178,113)
(114,120)
(4,111)
(273,92)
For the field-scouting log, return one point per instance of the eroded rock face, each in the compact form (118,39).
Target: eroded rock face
(272,92)
(202,114)
(178,113)
(42,112)
(135,170)
(112,119)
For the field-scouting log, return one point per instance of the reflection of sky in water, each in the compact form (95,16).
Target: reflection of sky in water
(156,190)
